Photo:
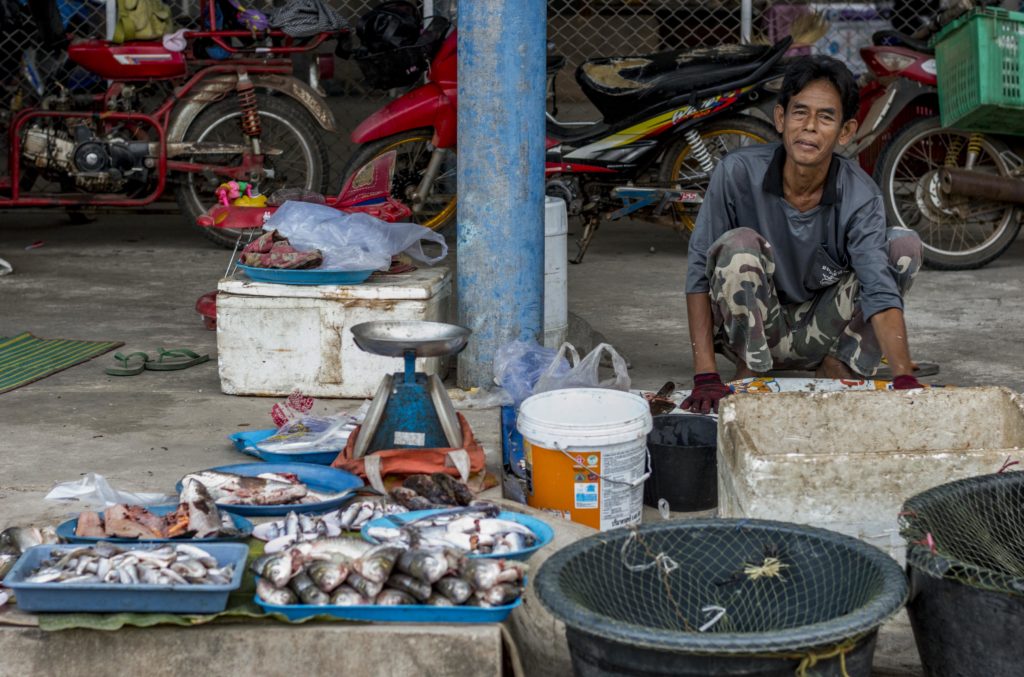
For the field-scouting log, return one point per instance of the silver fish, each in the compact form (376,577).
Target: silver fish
(426,565)
(235,489)
(407,584)
(376,565)
(392,597)
(437,599)
(266,591)
(363,586)
(7,561)
(307,591)
(278,570)
(499,595)
(455,589)
(482,574)
(347,596)
(329,574)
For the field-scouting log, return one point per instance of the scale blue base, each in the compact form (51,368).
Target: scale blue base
(409,419)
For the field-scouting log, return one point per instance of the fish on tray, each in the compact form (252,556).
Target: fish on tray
(347,572)
(197,516)
(476,529)
(296,528)
(179,564)
(16,540)
(263,489)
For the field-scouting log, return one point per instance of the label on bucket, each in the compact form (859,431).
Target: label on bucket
(586,495)
(622,505)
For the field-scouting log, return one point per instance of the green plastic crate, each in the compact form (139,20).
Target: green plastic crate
(980,61)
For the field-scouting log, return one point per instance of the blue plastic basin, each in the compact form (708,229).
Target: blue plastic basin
(399,613)
(116,597)
(541,531)
(248,441)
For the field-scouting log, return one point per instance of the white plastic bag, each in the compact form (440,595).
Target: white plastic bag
(586,372)
(311,434)
(94,489)
(352,241)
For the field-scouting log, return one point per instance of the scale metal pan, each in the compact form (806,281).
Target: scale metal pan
(426,339)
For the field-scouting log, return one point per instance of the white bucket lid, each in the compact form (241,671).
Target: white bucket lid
(583,416)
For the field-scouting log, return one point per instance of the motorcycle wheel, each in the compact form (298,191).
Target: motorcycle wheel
(680,167)
(958,234)
(413,153)
(285,124)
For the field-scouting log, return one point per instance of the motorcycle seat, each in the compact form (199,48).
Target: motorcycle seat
(897,39)
(572,133)
(620,85)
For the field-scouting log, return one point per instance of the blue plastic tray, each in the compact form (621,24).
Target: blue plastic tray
(542,531)
(67,531)
(247,442)
(401,613)
(311,276)
(316,477)
(116,598)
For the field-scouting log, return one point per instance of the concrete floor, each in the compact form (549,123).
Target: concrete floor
(135,278)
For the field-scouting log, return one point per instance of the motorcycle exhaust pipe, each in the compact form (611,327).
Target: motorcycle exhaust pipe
(956,181)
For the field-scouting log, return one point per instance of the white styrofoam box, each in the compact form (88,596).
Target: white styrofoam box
(273,338)
(556,303)
(847,461)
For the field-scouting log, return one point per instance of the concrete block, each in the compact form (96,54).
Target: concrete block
(846,461)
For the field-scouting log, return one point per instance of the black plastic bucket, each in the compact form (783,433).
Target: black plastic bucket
(684,467)
(791,599)
(961,630)
(594,656)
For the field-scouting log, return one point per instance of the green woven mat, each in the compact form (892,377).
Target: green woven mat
(25,358)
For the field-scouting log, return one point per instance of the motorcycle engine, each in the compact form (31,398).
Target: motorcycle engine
(97,165)
(568,189)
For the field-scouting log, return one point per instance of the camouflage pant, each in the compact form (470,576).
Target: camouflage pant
(752,326)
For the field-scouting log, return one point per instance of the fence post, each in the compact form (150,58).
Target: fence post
(500,178)
(746,21)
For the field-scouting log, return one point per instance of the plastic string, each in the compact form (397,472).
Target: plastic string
(718,612)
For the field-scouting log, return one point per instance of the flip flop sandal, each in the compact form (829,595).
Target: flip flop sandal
(179,358)
(125,369)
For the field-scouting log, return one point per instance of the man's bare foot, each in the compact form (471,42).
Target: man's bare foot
(830,367)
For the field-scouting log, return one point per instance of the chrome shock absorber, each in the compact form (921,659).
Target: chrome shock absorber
(699,150)
(973,149)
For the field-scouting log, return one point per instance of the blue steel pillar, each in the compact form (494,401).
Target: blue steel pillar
(501,177)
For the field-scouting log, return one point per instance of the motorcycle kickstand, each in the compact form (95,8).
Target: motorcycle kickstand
(590,224)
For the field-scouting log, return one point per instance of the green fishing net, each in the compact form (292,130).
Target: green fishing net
(971,531)
(722,586)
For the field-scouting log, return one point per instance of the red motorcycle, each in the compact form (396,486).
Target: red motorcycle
(667,120)
(916,161)
(169,119)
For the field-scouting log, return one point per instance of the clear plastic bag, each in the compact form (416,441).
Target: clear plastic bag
(586,373)
(519,364)
(352,241)
(95,490)
(310,434)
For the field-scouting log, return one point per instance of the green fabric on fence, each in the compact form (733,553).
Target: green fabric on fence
(25,358)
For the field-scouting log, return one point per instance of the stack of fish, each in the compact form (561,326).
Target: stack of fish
(197,516)
(438,490)
(476,529)
(264,489)
(16,540)
(297,528)
(179,564)
(348,572)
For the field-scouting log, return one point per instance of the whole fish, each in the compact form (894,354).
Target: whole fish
(234,489)
(266,591)
(203,516)
(363,586)
(307,591)
(376,564)
(410,499)
(482,574)
(392,597)
(407,584)
(459,491)
(455,589)
(277,569)
(7,561)
(168,565)
(437,599)
(327,548)
(329,574)
(499,595)
(425,565)
(347,596)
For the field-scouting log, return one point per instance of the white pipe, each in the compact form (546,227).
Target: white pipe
(428,9)
(746,21)
(111,18)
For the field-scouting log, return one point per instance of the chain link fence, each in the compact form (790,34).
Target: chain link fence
(578,29)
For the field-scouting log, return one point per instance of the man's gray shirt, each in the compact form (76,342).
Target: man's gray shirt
(812,249)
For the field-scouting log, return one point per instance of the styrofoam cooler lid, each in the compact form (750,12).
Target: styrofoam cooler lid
(556,222)
(584,416)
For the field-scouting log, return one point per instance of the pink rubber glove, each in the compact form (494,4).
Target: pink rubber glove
(905,382)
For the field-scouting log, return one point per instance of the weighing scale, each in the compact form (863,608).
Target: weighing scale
(410,409)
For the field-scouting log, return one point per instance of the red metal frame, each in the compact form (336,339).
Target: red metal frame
(260,63)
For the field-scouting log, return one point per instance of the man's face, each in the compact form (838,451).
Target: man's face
(812,125)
